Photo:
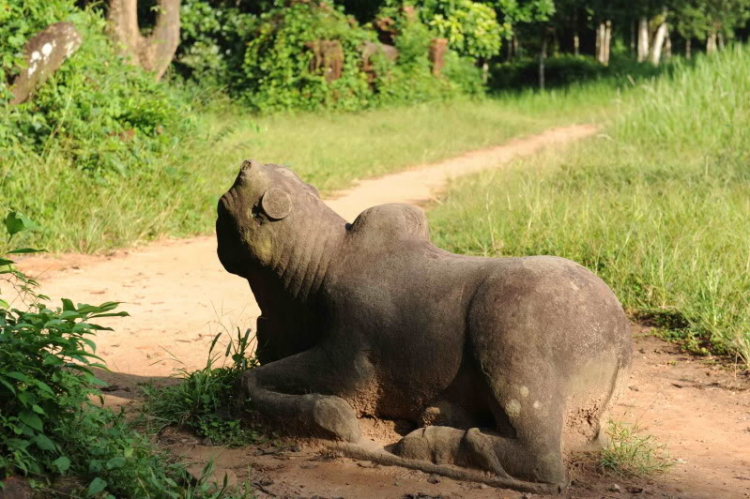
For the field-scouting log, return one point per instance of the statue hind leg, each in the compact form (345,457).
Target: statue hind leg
(525,445)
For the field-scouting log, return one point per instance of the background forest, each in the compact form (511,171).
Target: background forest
(304,55)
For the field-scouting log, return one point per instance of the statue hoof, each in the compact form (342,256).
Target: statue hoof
(334,418)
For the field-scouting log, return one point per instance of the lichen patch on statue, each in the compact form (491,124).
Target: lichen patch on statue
(494,368)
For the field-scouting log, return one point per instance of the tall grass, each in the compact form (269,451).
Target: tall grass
(176,195)
(658,206)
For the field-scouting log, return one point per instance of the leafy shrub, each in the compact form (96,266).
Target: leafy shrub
(49,425)
(471,28)
(100,113)
(280,66)
(278,58)
(213,39)
(411,79)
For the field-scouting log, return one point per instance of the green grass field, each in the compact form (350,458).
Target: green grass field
(658,206)
(176,196)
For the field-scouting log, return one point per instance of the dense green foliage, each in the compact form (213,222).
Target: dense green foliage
(213,39)
(659,206)
(96,112)
(471,28)
(279,61)
(275,60)
(50,425)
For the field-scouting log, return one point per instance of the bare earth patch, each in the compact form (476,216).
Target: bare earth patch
(179,297)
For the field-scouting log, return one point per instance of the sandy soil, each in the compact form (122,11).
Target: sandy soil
(180,297)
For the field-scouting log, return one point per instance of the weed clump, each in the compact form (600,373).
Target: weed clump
(205,401)
(631,454)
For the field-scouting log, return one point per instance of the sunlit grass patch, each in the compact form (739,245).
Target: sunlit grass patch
(658,205)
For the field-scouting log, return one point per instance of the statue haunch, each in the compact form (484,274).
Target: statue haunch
(503,364)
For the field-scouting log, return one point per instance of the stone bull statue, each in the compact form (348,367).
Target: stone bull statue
(504,365)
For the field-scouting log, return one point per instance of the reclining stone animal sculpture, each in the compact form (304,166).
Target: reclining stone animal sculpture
(503,365)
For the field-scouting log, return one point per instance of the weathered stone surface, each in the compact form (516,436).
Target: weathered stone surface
(45,53)
(438,48)
(369,49)
(512,361)
(327,59)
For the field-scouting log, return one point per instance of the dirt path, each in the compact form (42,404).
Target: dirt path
(180,297)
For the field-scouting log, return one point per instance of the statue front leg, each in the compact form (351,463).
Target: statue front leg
(301,393)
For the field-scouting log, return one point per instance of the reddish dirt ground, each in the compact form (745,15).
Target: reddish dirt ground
(180,297)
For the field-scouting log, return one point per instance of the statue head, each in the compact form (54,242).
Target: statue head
(257,214)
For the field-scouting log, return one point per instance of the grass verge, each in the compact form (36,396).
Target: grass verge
(659,207)
(175,195)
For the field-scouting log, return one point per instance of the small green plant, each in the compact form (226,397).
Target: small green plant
(45,369)
(630,454)
(49,424)
(205,400)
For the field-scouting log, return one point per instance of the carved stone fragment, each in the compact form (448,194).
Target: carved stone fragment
(45,53)
(438,48)
(327,59)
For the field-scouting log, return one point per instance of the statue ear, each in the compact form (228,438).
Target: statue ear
(276,204)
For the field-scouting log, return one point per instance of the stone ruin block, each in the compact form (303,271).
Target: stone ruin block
(45,53)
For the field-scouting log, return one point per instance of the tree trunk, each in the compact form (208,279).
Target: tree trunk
(542,58)
(607,41)
(576,43)
(153,53)
(509,51)
(643,39)
(668,47)
(632,38)
(659,39)
(720,41)
(688,49)
(603,41)
(711,43)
